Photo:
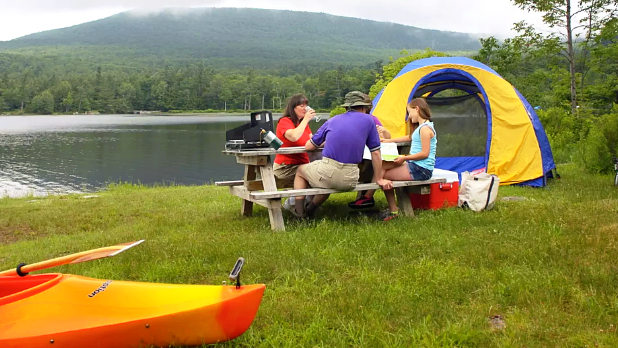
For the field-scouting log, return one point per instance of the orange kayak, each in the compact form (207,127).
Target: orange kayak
(63,310)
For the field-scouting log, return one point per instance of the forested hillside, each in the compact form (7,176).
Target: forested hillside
(201,59)
(231,38)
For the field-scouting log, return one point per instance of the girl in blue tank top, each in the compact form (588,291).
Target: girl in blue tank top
(419,164)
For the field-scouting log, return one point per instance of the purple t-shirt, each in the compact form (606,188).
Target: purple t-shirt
(346,136)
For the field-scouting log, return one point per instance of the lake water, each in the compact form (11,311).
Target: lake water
(42,155)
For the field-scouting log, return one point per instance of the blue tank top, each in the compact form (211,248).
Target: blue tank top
(416,146)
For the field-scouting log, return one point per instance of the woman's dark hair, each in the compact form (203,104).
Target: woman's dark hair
(294,101)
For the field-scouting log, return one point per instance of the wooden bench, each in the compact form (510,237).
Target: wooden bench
(267,191)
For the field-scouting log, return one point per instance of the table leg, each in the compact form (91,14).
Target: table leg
(247,206)
(274,212)
(403,201)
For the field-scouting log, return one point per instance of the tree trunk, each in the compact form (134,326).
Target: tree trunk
(571,55)
(585,52)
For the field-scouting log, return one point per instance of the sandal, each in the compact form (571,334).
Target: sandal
(388,215)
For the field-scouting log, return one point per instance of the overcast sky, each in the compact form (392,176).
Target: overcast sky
(486,17)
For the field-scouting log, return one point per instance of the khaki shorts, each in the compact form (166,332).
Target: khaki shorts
(328,173)
(285,171)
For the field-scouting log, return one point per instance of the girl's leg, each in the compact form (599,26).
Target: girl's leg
(390,171)
(386,166)
(390,198)
(399,173)
(366,200)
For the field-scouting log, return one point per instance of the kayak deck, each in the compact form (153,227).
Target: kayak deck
(77,311)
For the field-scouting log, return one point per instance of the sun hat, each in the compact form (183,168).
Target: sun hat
(356,98)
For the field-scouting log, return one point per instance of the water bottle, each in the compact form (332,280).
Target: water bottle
(272,139)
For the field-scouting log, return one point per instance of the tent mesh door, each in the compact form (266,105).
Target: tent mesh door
(461,124)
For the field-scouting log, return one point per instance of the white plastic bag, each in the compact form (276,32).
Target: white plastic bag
(478,192)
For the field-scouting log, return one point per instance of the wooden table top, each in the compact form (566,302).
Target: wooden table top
(267,151)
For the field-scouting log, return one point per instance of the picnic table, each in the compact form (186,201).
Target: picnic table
(267,190)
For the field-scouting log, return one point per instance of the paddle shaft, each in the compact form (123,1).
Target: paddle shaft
(83,256)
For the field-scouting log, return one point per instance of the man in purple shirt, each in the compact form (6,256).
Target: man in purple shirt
(344,138)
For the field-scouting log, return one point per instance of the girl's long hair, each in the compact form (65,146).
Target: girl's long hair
(423,111)
(294,101)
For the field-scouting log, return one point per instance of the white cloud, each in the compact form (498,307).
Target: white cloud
(16,23)
(88,4)
(484,17)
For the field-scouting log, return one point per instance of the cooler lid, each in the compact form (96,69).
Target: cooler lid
(446,174)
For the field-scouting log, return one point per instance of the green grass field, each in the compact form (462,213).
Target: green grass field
(548,265)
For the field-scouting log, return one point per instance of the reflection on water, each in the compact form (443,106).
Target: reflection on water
(63,154)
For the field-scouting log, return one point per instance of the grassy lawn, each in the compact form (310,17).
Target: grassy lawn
(548,265)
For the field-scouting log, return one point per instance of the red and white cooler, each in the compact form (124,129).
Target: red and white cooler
(442,195)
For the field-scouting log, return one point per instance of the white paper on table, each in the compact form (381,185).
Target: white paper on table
(389,152)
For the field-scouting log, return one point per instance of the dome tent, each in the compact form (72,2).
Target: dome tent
(487,125)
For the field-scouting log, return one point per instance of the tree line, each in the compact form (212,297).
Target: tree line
(31,86)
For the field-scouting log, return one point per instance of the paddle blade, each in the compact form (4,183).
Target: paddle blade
(105,252)
(83,256)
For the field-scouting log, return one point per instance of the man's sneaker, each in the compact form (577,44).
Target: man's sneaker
(362,203)
(388,215)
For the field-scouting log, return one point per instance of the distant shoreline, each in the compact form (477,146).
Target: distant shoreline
(170,114)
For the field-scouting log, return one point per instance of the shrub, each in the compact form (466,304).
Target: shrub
(609,125)
(337,111)
(556,120)
(562,131)
(562,146)
(593,153)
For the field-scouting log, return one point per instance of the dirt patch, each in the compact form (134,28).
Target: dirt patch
(513,199)
(497,323)
(12,234)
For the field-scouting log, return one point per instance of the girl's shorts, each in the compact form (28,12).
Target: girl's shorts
(418,173)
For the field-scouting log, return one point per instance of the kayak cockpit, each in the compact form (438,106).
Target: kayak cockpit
(16,288)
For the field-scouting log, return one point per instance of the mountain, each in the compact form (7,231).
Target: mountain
(240,37)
